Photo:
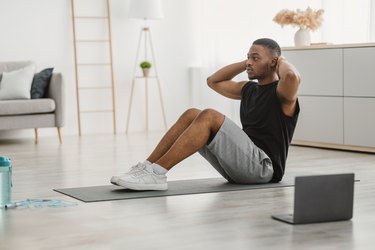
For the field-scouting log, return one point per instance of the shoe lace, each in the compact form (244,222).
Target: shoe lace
(139,170)
(136,167)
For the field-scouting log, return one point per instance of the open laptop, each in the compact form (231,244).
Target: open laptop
(321,198)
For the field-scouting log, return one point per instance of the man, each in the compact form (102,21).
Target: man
(254,154)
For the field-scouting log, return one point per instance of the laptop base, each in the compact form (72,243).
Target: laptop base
(287,218)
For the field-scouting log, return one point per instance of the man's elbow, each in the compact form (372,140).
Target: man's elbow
(210,83)
(293,77)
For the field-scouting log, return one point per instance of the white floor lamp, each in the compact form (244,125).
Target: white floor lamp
(145,9)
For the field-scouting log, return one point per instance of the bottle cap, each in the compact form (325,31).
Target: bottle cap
(4,161)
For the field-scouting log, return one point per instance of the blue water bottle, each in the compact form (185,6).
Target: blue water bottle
(5,181)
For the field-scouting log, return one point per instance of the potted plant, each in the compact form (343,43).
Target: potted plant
(306,20)
(145,66)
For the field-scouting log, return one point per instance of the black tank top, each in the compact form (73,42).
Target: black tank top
(265,123)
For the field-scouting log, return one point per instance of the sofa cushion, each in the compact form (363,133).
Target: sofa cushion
(17,84)
(40,83)
(21,107)
(10,66)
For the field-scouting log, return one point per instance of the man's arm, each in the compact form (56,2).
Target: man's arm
(221,81)
(289,80)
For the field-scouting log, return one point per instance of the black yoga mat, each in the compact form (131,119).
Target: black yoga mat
(181,187)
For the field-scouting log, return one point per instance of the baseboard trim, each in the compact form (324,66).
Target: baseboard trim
(333,146)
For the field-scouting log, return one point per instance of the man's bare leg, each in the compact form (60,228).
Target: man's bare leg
(173,133)
(206,124)
(190,133)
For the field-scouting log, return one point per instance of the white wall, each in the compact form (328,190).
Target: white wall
(195,36)
(348,21)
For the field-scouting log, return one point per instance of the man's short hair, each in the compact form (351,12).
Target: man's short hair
(270,44)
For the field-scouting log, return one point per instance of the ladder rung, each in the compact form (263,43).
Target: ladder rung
(93,87)
(96,111)
(139,77)
(93,64)
(93,41)
(91,17)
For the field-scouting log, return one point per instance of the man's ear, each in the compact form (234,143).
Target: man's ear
(274,62)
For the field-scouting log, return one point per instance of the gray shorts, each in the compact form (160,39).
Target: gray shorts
(236,157)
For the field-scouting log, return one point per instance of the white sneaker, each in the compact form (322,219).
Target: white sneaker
(115,178)
(143,178)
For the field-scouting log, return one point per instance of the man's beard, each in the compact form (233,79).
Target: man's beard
(261,76)
(256,77)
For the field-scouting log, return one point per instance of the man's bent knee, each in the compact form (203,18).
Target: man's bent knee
(211,114)
(191,114)
(213,117)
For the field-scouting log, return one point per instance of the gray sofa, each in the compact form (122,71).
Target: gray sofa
(34,113)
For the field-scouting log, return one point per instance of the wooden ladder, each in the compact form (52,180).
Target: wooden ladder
(78,66)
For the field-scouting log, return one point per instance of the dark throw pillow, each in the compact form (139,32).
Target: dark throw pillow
(40,83)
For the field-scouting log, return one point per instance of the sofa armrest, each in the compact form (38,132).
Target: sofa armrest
(56,91)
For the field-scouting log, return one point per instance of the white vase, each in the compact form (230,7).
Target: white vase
(302,37)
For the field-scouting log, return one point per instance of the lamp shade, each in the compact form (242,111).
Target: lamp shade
(146,9)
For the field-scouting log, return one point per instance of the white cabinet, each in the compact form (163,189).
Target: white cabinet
(359,72)
(321,71)
(337,96)
(359,121)
(320,119)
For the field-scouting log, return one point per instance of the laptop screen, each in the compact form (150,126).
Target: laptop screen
(322,198)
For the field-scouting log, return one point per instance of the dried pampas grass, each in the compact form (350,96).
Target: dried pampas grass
(307,19)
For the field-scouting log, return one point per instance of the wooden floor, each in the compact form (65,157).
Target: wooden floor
(228,221)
